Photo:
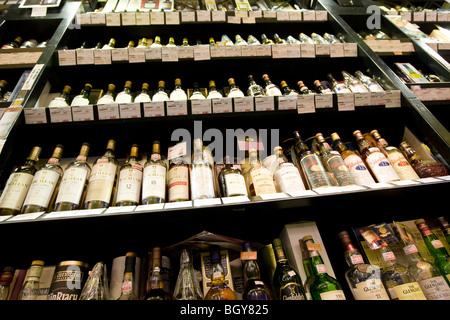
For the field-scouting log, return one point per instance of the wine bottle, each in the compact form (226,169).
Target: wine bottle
(271,89)
(62,100)
(212,42)
(171,42)
(30,288)
(259,179)
(178,93)
(278,40)
(109,96)
(142,43)
(235,92)
(196,93)
(231,180)
(83,98)
(130,44)
(156,43)
(286,90)
(161,94)
(320,88)
(353,83)
(178,180)
(445,227)
(130,179)
(125,95)
(370,83)
(227,40)
(185,42)
(423,169)
(266,40)
(252,40)
(287,176)
(219,289)
(291,40)
(13,44)
(3,84)
(305,39)
(330,38)
(156,291)
(317,38)
(254,89)
(187,286)
(338,87)
(303,88)
(254,288)
(143,95)
(202,184)
(96,286)
(154,180)
(213,93)
(111,44)
(127,291)
(239,41)
(6,278)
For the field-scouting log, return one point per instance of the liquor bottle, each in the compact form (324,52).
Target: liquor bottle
(6,278)
(202,184)
(436,248)
(219,289)
(213,93)
(396,158)
(290,39)
(125,95)
(108,97)
(317,38)
(324,287)
(265,40)
(178,93)
(72,189)
(61,101)
(111,44)
(303,89)
(161,94)
(259,179)
(235,92)
(278,40)
(425,273)
(370,83)
(330,38)
(313,170)
(130,44)
(30,43)
(445,227)
(18,184)
(375,159)
(226,40)
(196,93)
(270,89)
(96,286)
(130,179)
(156,291)
(154,179)
(3,84)
(334,161)
(142,43)
(42,192)
(171,42)
(185,42)
(353,83)
(422,168)
(83,98)
(212,42)
(239,41)
(30,288)
(254,89)
(98,46)
(287,176)
(186,286)
(305,39)
(286,90)
(363,279)
(252,40)
(231,180)
(14,44)
(308,269)
(178,180)
(103,177)
(320,88)
(286,281)
(353,162)
(156,43)
(143,96)
(127,292)
(338,87)
(316,149)
(254,288)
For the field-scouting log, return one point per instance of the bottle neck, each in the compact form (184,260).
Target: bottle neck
(318,267)
(388,256)
(340,146)
(251,270)
(86,93)
(217,274)
(30,163)
(280,255)
(109,153)
(156,279)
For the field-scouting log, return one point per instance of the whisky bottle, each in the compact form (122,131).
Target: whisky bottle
(314,172)
(239,41)
(42,192)
(363,279)
(252,40)
(30,43)
(178,180)
(127,291)
(30,288)
(178,93)
(187,286)
(278,40)
(202,184)
(259,179)
(330,38)
(156,291)
(254,89)
(96,286)
(308,269)
(72,189)
(212,42)
(111,44)
(353,162)
(62,100)
(320,88)
(18,184)
(324,287)
(338,87)
(286,281)
(266,40)
(171,42)
(108,97)
(286,175)
(130,44)
(219,289)
(422,168)
(370,83)
(270,89)
(161,94)
(353,83)
(335,162)
(83,98)
(143,96)
(130,179)
(291,40)
(102,181)
(303,88)
(154,179)
(235,92)
(396,158)
(6,278)
(156,43)
(286,90)
(317,38)
(142,43)
(375,159)
(305,39)
(196,93)
(213,93)
(227,40)
(13,44)
(185,42)
(254,288)
(231,180)
(125,95)
(316,149)
(445,227)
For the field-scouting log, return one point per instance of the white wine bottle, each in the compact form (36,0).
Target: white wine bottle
(196,93)
(161,94)
(143,96)
(156,43)
(61,101)
(235,92)
(202,183)
(178,93)
(154,180)
(130,179)
(271,89)
(125,95)
(111,44)
(213,93)
(108,97)
(171,42)
(83,98)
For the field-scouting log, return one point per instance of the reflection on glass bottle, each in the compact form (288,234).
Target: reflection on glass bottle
(235,92)
(62,100)
(161,94)
(202,184)
(30,288)
(6,278)
(231,180)
(156,291)
(255,288)
(108,97)
(83,98)
(187,287)
(96,286)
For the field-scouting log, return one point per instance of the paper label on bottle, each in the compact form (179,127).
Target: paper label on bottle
(371,289)
(154,182)
(389,256)
(321,268)
(339,169)
(72,185)
(410,249)
(333,295)
(235,184)
(262,181)
(16,190)
(42,188)
(357,259)
(401,165)
(358,170)
(435,288)
(437,244)
(178,183)
(409,291)
(202,185)
(291,291)
(129,186)
(315,172)
(288,179)
(101,182)
(381,167)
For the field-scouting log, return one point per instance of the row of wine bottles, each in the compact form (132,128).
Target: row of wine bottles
(357,83)
(278,278)
(105,184)
(19,43)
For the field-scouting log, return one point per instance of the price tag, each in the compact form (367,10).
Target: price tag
(125,209)
(218,52)
(85,56)
(305,103)
(255,14)
(29,82)
(272,196)
(222,105)
(295,15)
(346,102)
(177,150)
(153,53)
(264,103)
(282,15)
(405,183)
(98,18)
(143,18)
(102,56)
(128,18)
(83,113)
(308,50)
(428,180)
(328,190)
(431,16)
(419,16)
(233,51)
(169,54)
(445,178)
(188,16)
(201,106)
(442,16)
(279,51)
(149,207)
(154,109)
(157,18)
(233,20)
(269,14)
(4,218)
(173,18)
(363,99)
(322,49)
(377,99)
(113,19)
(321,15)
(237,199)
(337,50)
(130,110)
(350,49)
(58,214)
(407,15)
(38,11)
(442,93)
(67,57)
(324,100)
(35,115)
(119,54)
(287,102)
(263,50)
(207,202)
(136,55)
(63,114)
(201,52)
(309,15)
(218,16)
(108,111)
(381,185)
(241,14)
(203,16)
(177,205)
(243,104)
(26,216)
(176,108)
(247,51)
(248,20)
(185,52)
(88,212)
(299,194)
(293,50)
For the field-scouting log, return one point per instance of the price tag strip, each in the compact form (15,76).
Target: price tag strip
(150,207)
(125,209)
(207,202)
(237,199)
(26,216)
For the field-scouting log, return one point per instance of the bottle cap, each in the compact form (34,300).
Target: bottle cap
(3,83)
(212,83)
(231,81)
(277,242)
(300,83)
(111,144)
(156,253)
(113,41)
(161,84)
(128,84)
(419,221)
(131,44)
(306,238)
(111,87)
(265,77)
(145,86)
(67,89)
(178,82)
(37,263)
(57,153)
(131,254)
(134,150)
(87,86)
(157,39)
(317,83)
(375,134)
(335,136)
(250,77)
(34,154)
(357,133)
(283,84)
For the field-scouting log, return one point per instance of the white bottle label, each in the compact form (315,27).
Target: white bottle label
(235,184)
(358,170)
(143,97)
(72,185)
(129,187)
(42,188)
(262,181)
(154,182)
(288,179)
(16,190)
(202,184)
(435,288)
(101,182)
(79,101)
(333,295)
(371,289)
(381,167)
(401,165)
(409,291)
(123,97)
(321,268)
(178,183)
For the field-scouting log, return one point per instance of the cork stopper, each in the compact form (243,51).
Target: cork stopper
(37,263)
(178,82)
(156,147)
(127,84)
(283,84)
(145,86)
(134,151)
(265,77)
(231,82)
(111,87)
(161,84)
(317,83)
(300,83)
(67,89)
(34,154)
(357,134)
(111,144)
(57,153)
(212,84)
(335,136)
(320,137)
(375,134)
(131,254)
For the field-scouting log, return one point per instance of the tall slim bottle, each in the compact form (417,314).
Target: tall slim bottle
(254,288)
(154,179)
(219,289)
(231,180)
(286,175)
(30,288)
(156,291)
(187,287)
(18,184)
(259,179)
(353,83)
(127,291)
(6,277)
(202,183)
(130,179)
(445,227)
(178,180)
(43,188)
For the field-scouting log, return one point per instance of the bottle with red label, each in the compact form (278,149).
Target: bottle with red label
(130,179)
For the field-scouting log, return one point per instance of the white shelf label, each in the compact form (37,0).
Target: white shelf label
(29,82)
(154,109)
(272,196)
(83,113)
(337,50)
(419,16)
(26,216)
(377,99)
(324,100)
(4,218)
(62,114)
(218,52)
(295,15)
(237,199)
(305,193)
(58,214)
(98,18)
(405,183)
(143,18)
(263,50)
(287,102)
(185,52)
(136,55)
(201,106)
(130,110)
(350,49)
(282,15)
(125,209)
(431,16)
(269,14)
(153,53)
(222,105)
(380,185)
(255,14)
(108,111)
(177,205)
(247,51)
(308,50)
(113,19)
(322,49)
(203,16)
(328,190)
(234,20)
(207,202)
(321,15)
(346,101)
(264,103)
(309,15)
(169,54)
(243,104)
(35,115)
(392,99)
(218,16)
(157,18)
(248,20)
(119,54)
(293,50)
(201,52)
(363,99)
(305,103)
(85,56)
(233,51)
(67,57)
(173,18)
(102,56)
(128,18)
(188,16)
(88,212)
(428,180)
(279,51)
(176,108)
(149,207)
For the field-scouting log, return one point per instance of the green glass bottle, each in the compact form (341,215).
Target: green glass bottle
(445,227)
(308,270)
(324,287)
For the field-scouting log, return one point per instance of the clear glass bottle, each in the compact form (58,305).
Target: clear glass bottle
(83,98)
(44,187)
(254,288)
(278,40)
(287,176)
(130,179)
(371,84)
(305,39)
(156,43)
(130,44)
(271,89)
(317,38)
(252,40)
(178,93)
(353,83)
(96,286)
(227,40)
(16,43)
(338,87)
(161,94)
(330,38)
(72,189)
(286,90)
(259,179)
(219,289)
(235,92)
(185,42)
(196,93)
(143,43)
(143,95)
(291,40)
(156,291)
(303,88)
(125,95)
(127,291)
(102,181)
(171,42)
(154,179)
(178,180)
(320,88)
(423,169)
(108,97)
(18,184)
(6,278)
(239,41)
(111,44)
(62,100)
(231,180)
(266,40)
(30,288)
(254,89)
(202,183)
(186,286)
(212,92)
